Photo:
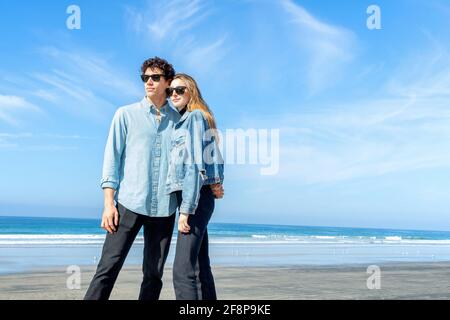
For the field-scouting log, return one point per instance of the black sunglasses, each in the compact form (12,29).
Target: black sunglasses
(179,90)
(155,77)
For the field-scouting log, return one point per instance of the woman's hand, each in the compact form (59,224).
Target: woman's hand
(217,190)
(183,225)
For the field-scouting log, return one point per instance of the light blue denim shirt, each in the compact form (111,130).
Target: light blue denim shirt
(195,159)
(136,158)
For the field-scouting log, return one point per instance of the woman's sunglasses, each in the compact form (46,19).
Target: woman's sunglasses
(155,77)
(179,90)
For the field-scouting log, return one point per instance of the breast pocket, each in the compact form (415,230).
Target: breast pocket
(178,149)
(178,154)
(179,140)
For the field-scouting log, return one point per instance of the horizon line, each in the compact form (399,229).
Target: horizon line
(244,223)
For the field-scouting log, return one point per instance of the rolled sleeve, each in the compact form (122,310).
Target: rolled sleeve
(109,184)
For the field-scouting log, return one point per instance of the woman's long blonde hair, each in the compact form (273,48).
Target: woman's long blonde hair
(196,102)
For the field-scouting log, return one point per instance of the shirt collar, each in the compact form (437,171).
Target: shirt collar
(150,107)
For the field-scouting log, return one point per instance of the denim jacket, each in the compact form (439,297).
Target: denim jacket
(195,159)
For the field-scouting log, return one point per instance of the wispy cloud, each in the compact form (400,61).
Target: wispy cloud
(172,26)
(77,81)
(163,20)
(11,107)
(338,154)
(27,141)
(405,128)
(47,147)
(42,135)
(425,75)
(204,58)
(329,47)
(87,67)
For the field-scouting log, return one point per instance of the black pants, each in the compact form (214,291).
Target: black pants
(192,276)
(157,236)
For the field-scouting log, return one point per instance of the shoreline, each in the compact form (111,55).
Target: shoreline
(404,280)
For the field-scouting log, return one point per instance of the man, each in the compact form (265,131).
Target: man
(134,176)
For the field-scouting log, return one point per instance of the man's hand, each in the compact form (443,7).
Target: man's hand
(110,218)
(183,225)
(217,190)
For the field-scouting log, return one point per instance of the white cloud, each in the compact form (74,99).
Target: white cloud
(203,58)
(362,139)
(21,135)
(79,82)
(163,20)
(425,75)
(26,141)
(89,68)
(405,128)
(172,26)
(329,47)
(11,107)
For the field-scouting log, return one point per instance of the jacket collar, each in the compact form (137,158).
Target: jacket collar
(184,116)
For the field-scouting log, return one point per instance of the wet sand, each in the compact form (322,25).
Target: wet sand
(397,281)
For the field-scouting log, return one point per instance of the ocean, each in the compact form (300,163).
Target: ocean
(29,243)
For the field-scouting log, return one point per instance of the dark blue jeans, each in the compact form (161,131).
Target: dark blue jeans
(192,276)
(157,235)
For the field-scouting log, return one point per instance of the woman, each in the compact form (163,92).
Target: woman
(195,166)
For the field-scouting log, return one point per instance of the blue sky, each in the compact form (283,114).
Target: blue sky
(363,114)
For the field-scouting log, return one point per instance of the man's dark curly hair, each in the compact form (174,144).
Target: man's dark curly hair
(156,62)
